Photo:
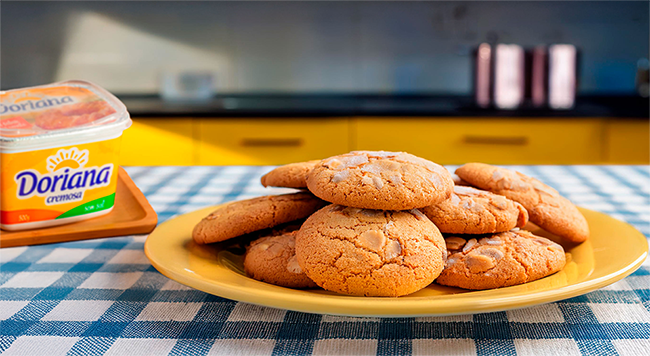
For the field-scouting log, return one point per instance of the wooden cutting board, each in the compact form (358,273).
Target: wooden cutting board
(132,214)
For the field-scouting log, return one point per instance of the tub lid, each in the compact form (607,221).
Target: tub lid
(58,112)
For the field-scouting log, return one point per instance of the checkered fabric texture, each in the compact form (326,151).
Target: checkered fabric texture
(103,297)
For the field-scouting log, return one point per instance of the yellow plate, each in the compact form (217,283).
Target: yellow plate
(614,250)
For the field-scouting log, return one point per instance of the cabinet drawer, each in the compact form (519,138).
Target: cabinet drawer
(628,142)
(500,141)
(158,142)
(270,141)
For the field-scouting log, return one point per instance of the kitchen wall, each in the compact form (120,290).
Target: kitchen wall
(309,46)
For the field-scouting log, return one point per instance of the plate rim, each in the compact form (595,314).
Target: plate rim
(291,301)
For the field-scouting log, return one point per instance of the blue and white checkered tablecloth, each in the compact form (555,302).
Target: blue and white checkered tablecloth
(103,297)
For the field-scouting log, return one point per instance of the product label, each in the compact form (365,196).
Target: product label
(58,183)
(15,123)
(51,108)
(34,104)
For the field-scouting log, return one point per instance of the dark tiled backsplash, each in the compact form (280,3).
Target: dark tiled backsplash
(354,47)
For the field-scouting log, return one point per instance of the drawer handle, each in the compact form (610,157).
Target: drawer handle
(271,142)
(498,140)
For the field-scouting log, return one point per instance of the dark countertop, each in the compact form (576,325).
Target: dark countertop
(321,105)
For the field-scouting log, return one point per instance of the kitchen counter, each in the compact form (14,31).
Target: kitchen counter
(314,105)
(103,296)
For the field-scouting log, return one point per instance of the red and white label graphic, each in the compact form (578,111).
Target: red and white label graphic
(16,122)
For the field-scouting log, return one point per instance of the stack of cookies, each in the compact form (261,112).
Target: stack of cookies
(390,224)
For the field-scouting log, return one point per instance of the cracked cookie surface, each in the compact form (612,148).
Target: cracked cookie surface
(474,211)
(293,175)
(546,207)
(380,180)
(272,259)
(500,260)
(245,216)
(370,252)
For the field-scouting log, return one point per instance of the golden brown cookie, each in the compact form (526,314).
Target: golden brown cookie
(546,207)
(370,252)
(293,175)
(474,211)
(380,180)
(500,260)
(245,216)
(272,259)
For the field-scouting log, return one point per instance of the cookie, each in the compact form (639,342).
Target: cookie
(380,180)
(292,175)
(370,252)
(245,216)
(546,207)
(501,260)
(272,259)
(458,181)
(474,211)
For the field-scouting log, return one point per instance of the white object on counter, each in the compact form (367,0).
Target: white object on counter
(509,76)
(562,76)
(187,85)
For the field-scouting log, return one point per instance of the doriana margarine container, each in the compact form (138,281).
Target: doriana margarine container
(59,146)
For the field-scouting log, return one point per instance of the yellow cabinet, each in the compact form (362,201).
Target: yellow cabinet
(628,141)
(159,142)
(500,141)
(267,141)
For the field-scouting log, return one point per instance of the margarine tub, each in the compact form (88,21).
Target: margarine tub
(59,149)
